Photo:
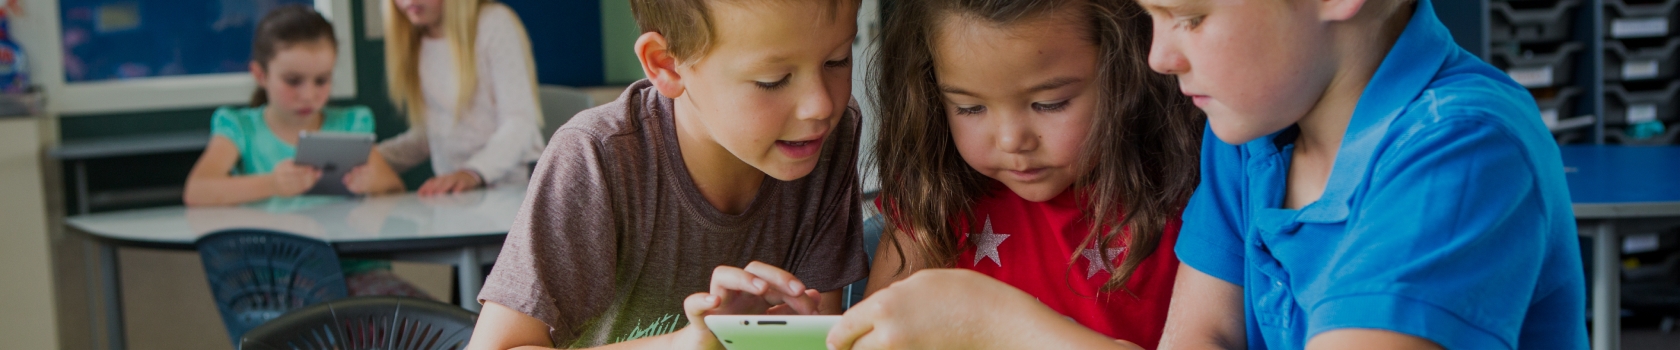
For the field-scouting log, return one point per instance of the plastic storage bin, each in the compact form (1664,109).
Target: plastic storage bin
(1539,69)
(1647,63)
(1625,107)
(1557,104)
(1528,24)
(1641,19)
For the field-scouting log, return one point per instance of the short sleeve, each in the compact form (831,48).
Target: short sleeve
(557,264)
(225,123)
(834,256)
(361,119)
(1447,243)
(1211,239)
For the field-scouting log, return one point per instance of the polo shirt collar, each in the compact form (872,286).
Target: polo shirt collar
(1405,72)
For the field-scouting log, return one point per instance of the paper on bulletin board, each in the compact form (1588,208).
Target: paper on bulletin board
(373,25)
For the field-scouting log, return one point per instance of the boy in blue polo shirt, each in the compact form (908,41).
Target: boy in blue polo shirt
(1364,182)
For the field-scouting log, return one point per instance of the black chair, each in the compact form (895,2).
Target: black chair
(367,323)
(258,275)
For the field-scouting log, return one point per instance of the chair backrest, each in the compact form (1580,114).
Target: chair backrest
(367,323)
(559,104)
(257,275)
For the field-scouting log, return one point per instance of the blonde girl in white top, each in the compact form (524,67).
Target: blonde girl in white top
(462,71)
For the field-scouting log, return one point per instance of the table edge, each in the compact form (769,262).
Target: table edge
(1626,210)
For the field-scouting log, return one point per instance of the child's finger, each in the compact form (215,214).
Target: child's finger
(855,324)
(429,188)
(807,303)
(696,306)
(785,282)
(728,278)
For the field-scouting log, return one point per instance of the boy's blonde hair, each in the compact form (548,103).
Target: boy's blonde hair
(687,24)
(460,29)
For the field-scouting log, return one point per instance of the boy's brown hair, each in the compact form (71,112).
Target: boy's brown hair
(687,24)
(1140,158)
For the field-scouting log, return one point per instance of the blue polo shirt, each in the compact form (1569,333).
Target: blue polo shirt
(1446,215)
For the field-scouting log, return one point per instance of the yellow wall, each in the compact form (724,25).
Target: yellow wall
(26,281)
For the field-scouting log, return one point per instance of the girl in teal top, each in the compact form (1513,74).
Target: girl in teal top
(249,157)
(251,148)
(260,148)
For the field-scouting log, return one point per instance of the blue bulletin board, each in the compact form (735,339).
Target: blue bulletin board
(565,39)
(127,39)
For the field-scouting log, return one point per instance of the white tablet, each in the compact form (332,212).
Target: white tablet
(335,154)
(771,332)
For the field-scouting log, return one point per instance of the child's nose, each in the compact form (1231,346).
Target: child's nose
(311,91)
(1015,136)
(1164,55)
(816,103)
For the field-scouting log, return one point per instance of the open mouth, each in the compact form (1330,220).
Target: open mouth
(800,149)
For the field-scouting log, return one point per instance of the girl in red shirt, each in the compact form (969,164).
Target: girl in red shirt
(1030,141)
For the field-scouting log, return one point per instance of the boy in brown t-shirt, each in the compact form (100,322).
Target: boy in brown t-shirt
(735,160)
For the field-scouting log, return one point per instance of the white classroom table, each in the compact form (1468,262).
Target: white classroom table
(465,230)
(1618,189)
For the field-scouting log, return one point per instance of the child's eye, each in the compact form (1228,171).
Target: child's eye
(773,86)
(847,62)
(1050,107)
(1190,22)
(294,81)
(971,110)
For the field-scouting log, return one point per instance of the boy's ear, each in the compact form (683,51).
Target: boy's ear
(659,65)
(1341,10)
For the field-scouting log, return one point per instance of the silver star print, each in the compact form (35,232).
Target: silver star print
(1096,260)
(986,244)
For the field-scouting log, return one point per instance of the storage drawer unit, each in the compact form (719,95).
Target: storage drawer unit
(1556,104)
(1540,69)
(1625,107)
(1518,21)
(1625,19)
(1647,63)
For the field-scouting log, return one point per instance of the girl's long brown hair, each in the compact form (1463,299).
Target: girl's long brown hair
(1140,159)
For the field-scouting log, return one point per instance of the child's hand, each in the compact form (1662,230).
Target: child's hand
(943,309)
(761,289)
(291,179)
(696,335)
(758,289)
(359,180)
(455,182)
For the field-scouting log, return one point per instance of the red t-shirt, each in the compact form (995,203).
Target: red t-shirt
(1028,246)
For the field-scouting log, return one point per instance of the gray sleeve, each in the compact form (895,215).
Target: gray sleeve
(558,262)
(406,150)
(834,255)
